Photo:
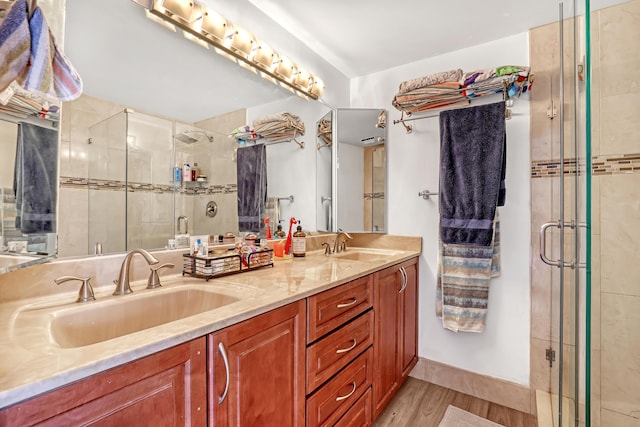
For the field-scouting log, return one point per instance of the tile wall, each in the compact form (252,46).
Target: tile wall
(615,271)
(93,177)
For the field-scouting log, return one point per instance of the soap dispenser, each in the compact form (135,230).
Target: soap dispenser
(280,232)
(299,242)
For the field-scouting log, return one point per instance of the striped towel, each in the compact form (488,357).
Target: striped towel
(464,273)
(15,43)
(50,72)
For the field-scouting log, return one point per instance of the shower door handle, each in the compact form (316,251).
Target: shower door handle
(543,243)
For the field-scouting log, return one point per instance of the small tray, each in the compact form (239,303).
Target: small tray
(209,266)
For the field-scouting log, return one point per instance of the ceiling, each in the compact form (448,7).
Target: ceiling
(360,37)
(125,58)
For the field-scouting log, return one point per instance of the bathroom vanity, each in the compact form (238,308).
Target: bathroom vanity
(326,340)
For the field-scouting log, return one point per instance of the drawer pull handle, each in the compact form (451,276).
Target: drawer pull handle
(225,359)
(344,350)
(347,304)
(346,396)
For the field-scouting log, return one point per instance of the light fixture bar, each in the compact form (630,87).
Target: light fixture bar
(291,77)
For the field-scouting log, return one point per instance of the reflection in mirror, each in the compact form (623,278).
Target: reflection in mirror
(144,171)
(324,136)
(361,170)
(28,193)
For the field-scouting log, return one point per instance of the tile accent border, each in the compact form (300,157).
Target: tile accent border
(505,393)
(611,164)
(192,188)
(371,196)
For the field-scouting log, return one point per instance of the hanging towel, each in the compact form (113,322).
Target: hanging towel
(464,274)
(252,186)
(36,179)
(472,149)
(15,44)
(50,72)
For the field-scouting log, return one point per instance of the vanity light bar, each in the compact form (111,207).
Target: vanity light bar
(235,43)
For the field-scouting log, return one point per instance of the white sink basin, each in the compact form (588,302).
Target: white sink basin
(366,254)
(78,325)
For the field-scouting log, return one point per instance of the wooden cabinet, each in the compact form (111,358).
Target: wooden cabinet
(340,355)
(164,389)
(396,339)
(257,370)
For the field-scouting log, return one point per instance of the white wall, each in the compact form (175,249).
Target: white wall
(503,349)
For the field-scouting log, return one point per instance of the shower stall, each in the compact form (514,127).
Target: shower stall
(585,184)
(134,197)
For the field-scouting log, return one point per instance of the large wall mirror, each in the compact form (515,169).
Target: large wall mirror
(360,170)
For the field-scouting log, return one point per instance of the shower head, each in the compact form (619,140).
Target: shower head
(192,136)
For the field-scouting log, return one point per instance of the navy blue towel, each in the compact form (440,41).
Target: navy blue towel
(472,171)
(252,186)
(36,179)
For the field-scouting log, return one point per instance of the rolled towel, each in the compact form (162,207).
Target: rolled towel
(15,44)
(50,72)
(432,79)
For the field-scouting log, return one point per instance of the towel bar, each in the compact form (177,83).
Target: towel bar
(426,193)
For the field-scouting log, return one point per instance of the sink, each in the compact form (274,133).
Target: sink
(366,254)
(81,325)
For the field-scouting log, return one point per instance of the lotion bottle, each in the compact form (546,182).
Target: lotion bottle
(186,172)
(299,242)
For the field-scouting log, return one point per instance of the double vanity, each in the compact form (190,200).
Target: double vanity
(319,340)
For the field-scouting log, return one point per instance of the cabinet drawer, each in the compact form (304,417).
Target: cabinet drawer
(360,414)
(327,405)
(330,309)
(336,350)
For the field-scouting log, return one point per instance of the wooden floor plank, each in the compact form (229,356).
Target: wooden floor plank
(419,403)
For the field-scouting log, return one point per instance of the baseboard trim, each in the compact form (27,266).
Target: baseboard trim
(505,393)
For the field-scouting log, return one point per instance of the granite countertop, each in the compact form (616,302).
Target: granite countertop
(32,363)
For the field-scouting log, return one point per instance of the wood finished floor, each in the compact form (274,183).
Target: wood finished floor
(419,403)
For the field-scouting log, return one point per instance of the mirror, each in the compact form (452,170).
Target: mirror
(360,172)
(119,99)
(324,146)
(28,193)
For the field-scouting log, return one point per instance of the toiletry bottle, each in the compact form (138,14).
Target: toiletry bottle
(196,171)
(177,173)
(299,242)
(196,248)
(280,232)
(203,249)
(193,172)
(186,172)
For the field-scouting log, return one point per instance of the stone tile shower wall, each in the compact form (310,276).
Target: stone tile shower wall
(93,177)
(615,373)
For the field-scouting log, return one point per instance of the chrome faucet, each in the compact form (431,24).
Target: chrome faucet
(122,282)
(339,247)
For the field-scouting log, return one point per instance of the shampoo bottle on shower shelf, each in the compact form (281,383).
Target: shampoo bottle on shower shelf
(299,242)
(186,172)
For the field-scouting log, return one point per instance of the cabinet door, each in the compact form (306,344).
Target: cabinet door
(164,389)
(396,340)
(387,284)
(408,334)
(256,370)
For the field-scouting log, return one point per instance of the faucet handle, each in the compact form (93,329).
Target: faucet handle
(154,279)
(86,291)
(327,248)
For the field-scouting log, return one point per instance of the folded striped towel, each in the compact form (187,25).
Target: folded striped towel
(15,43)
(50,72)
(464,273)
